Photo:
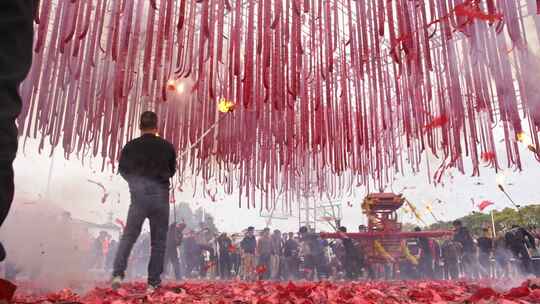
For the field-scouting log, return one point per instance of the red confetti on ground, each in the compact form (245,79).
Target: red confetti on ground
(298,292)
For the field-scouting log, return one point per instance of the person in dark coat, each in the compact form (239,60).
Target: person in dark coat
(485,250)
(146,163)
(314,258)
(425,262)
(292,261)
(17,31)
(174,240)
(463,236)
(192,253)
(352,260)
(225,262)
(518,240)
(248,246)
(451,251)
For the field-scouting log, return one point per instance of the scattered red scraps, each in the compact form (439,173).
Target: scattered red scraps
(301,292)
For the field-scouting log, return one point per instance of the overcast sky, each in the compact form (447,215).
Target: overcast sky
(71,190)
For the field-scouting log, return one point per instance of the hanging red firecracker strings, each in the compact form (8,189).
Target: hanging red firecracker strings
(347,97)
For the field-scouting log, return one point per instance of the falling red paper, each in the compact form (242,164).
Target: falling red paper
(121,223)
(484,204)
(437,122)
(474,12)
(488,156)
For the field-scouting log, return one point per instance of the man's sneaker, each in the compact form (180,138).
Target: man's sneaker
(151,288)
(116,282)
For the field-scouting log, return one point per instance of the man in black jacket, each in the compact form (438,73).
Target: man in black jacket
(518,239)
(146,163)
(463,236)
(16,30)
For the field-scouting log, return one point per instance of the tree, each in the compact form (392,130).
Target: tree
(528,216)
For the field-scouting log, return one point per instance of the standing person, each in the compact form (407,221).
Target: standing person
(146,163)
(192,253)
(425,261)
(451,250)
(485,250)
(518,239)
(234,251)
(352,260)
(174,240)
(224,248)
(17,31)
(290,253)
(463,236)
(314,258)
(277,252)
(248,246)
(264,253)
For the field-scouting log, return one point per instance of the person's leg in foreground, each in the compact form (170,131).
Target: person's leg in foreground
(136,216)
(159,224)
(16,37)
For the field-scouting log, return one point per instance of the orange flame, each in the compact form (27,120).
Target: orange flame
(226,106)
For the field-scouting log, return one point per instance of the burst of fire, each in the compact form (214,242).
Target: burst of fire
(171,85)
(225,106)
(176,86)
(526,140)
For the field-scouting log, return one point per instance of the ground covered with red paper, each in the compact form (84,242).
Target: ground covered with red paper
(299,292)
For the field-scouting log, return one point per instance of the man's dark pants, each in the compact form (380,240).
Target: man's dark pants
(16,36)
(225,265)
(155,207)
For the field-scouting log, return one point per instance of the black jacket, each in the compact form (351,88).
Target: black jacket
(146,162)
(248,244)
(463,236)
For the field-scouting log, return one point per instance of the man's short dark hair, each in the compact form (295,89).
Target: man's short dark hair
(457,223)
(148,120)
(343,229)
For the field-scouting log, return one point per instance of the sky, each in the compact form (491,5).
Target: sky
(70,189)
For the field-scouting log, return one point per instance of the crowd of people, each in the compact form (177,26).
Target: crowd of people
(273,255)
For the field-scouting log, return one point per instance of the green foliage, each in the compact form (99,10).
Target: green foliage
(527,216)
